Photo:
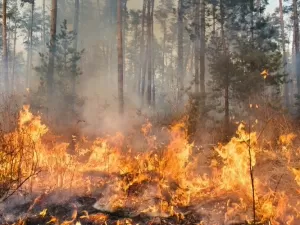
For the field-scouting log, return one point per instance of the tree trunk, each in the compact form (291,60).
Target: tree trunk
(5,53)
(226,80)
(152,55)
(14,59)
(196,63)
(252,21)
(296,40)
(194,100)
(214,10)
(28,58)
(136,62)
(44,24)
(124,24)
(149,54)
(180,70)
(164,81)
(30,48)
(286,85)
(75,29)
(120,57)
(50,77)
(142,53)
(202,55)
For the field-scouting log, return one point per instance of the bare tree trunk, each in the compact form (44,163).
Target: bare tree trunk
(8,47)
(196,63)
(75,29)
(226,80)
(180,70)
(44,24)
(149,54)
(164,52)
(252,21)
(30,48)
(286,86)
(110,41)
(194,100)
(152,55)
(50,77)
(214,9)
(296,33)
(202,55)
(28,58)
(142,53)
(124,24)
(120,57)
(187,58)
(14,59)
(4,40)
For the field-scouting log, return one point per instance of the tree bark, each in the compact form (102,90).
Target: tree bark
(286,85)
(296,43)
(149,53)
(226,78)
(202,55)
(120,57)
(152,55)
(180,71)
(4,40)
(142,53)
(30,48)
(50,77)
(44,24)
(252,21)
(164,81)
(196,61)
(214,9)
(14,59)
(28,58)
(75,29)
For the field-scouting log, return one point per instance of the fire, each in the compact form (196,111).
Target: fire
(162,179)
(236,159)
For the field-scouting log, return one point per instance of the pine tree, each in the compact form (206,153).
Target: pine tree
(52,51)
(120,57)
(5,49)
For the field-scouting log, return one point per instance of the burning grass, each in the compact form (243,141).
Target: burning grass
(160,182)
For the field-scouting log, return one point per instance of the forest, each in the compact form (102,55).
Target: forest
(144,112)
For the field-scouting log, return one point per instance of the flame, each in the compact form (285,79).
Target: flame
(163,178)
(43,213)
(265,73)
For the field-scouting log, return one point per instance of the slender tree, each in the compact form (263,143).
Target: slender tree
(75,29)
(196,41)
(226,71)
(44,24)
(142,52)
(286,86)
(14,57)
(296,42)
(4,40)
(180,70)
(149,53)
(120,56)
(30,51)
(202,53)
(50,75)
(152,55)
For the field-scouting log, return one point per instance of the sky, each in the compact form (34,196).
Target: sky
(138,4)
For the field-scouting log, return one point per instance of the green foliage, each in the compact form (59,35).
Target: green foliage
(65,72)
(238,58)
